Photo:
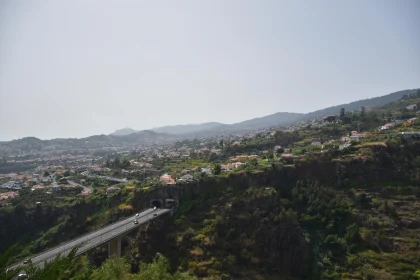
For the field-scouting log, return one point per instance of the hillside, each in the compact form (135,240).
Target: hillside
(356,105)
(123,131)
(345,215)
(34,145)
(188,128)
(273,120)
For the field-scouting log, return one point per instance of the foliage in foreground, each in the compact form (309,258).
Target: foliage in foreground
(72,267)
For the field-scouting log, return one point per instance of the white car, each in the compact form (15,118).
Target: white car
(137,214)
(22,275)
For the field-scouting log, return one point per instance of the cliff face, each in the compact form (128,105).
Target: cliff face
(241,236)
(54,220)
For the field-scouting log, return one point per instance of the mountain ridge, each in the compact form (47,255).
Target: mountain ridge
(276,119)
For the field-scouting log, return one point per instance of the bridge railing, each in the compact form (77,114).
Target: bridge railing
(82,250)
(70,241)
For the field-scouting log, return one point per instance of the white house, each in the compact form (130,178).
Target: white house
(186,178)
(411,107)
(206,170)
(276,148)
(345,139)
(237,164)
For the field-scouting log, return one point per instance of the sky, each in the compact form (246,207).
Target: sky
(75,68)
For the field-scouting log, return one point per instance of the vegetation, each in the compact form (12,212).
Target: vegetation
(316,211)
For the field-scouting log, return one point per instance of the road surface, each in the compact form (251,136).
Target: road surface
(74,184)
(95,238)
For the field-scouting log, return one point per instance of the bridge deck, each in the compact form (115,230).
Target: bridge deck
(96,238)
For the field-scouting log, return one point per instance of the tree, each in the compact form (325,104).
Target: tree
(417,273)
(342,112)
(362,113)
(217,169)
(284,138)
(159,270)
(46,173)
(280,151)
(117,162)
(113,268)
(125,163)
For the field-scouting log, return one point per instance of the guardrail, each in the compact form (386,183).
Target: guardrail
(70,241)
(125,231)
(82,250)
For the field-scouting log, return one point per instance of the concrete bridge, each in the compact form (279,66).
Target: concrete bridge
(110,235)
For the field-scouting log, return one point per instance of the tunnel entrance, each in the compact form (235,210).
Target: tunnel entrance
(158,203)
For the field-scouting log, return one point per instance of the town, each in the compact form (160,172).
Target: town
(82,169)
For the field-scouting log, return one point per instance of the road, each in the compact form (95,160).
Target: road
(96,238)
(74,184)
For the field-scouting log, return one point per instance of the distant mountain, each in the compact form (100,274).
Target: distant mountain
(122,132)
(357,105)
(92,143)
(188,128)
(273,120)
(277,119)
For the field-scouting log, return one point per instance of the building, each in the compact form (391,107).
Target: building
(288,157)
(224,167)
(166,179)
(8,195)
(39,187)
(343,146)
(387,126)
(187,178)
(345,139)
(55,187)
(411,107)
(237,164)
(85,192)
(206,170)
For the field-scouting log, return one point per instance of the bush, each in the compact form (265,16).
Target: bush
(336,245)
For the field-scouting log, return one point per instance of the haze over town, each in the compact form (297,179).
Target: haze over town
(77,68)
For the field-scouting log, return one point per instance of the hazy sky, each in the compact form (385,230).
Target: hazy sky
(77,68)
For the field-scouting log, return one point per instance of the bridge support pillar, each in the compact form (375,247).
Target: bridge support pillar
(114,247)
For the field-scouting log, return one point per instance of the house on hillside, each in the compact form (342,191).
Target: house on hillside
(387,126)
(39,187)
(288,157)
(276,148)
(206,170)
(166,179)
(216,151)
(237,164)
(187,178)
(411,107)
(224,167)
(345,139)
(8,195)
(55,187)
(316,143)
(343,146)
(85,192)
